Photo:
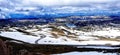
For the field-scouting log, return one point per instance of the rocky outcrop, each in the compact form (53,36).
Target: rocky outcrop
(3,48)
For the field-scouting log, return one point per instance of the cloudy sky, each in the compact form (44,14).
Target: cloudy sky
(97,4)
(56,2)
(66,2)
(10,6)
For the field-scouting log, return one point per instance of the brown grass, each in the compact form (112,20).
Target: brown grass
(104,38)
(55,32)
(55,35)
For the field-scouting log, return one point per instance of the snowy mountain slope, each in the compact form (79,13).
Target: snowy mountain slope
(50,34)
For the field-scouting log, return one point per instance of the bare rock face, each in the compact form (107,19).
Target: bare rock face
(3,48)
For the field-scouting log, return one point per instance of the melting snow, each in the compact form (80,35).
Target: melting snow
(86,53)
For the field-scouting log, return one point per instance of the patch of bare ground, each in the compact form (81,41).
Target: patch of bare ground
(106,38)
(25,32)
(56,32)
(108,44)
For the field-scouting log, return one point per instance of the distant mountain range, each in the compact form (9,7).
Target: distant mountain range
(76,20)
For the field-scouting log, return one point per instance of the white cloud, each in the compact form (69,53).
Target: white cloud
(56,6)
(54,2)
(63,2)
